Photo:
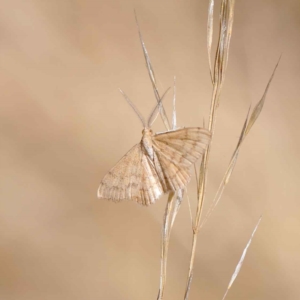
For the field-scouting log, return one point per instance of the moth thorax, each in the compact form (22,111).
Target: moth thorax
(147,142)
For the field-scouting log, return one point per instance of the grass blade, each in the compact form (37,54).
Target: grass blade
(240,263)
(259,106)
(228,173)
(210,30)
(152,78)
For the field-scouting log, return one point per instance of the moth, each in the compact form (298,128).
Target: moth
(158,164)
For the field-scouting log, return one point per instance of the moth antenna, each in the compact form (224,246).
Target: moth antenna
(155,110)
(134,108)
(174,120)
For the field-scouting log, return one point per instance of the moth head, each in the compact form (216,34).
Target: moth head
(147,131)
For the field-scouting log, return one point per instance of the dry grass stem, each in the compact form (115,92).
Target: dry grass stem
(169,216)
(217,73)
(179,193)
(190,208)
(249,122)
(221,58)
(210,30)
(165,245)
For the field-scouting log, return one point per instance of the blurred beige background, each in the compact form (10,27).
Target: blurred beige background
(64,125)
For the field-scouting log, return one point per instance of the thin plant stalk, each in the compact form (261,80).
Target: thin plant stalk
(168,210)
(221,58)
(165,246)
(168,222)
(179,193)
(250,120)
(169,217)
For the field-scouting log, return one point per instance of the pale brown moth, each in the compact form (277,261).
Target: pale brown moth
(160,163)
